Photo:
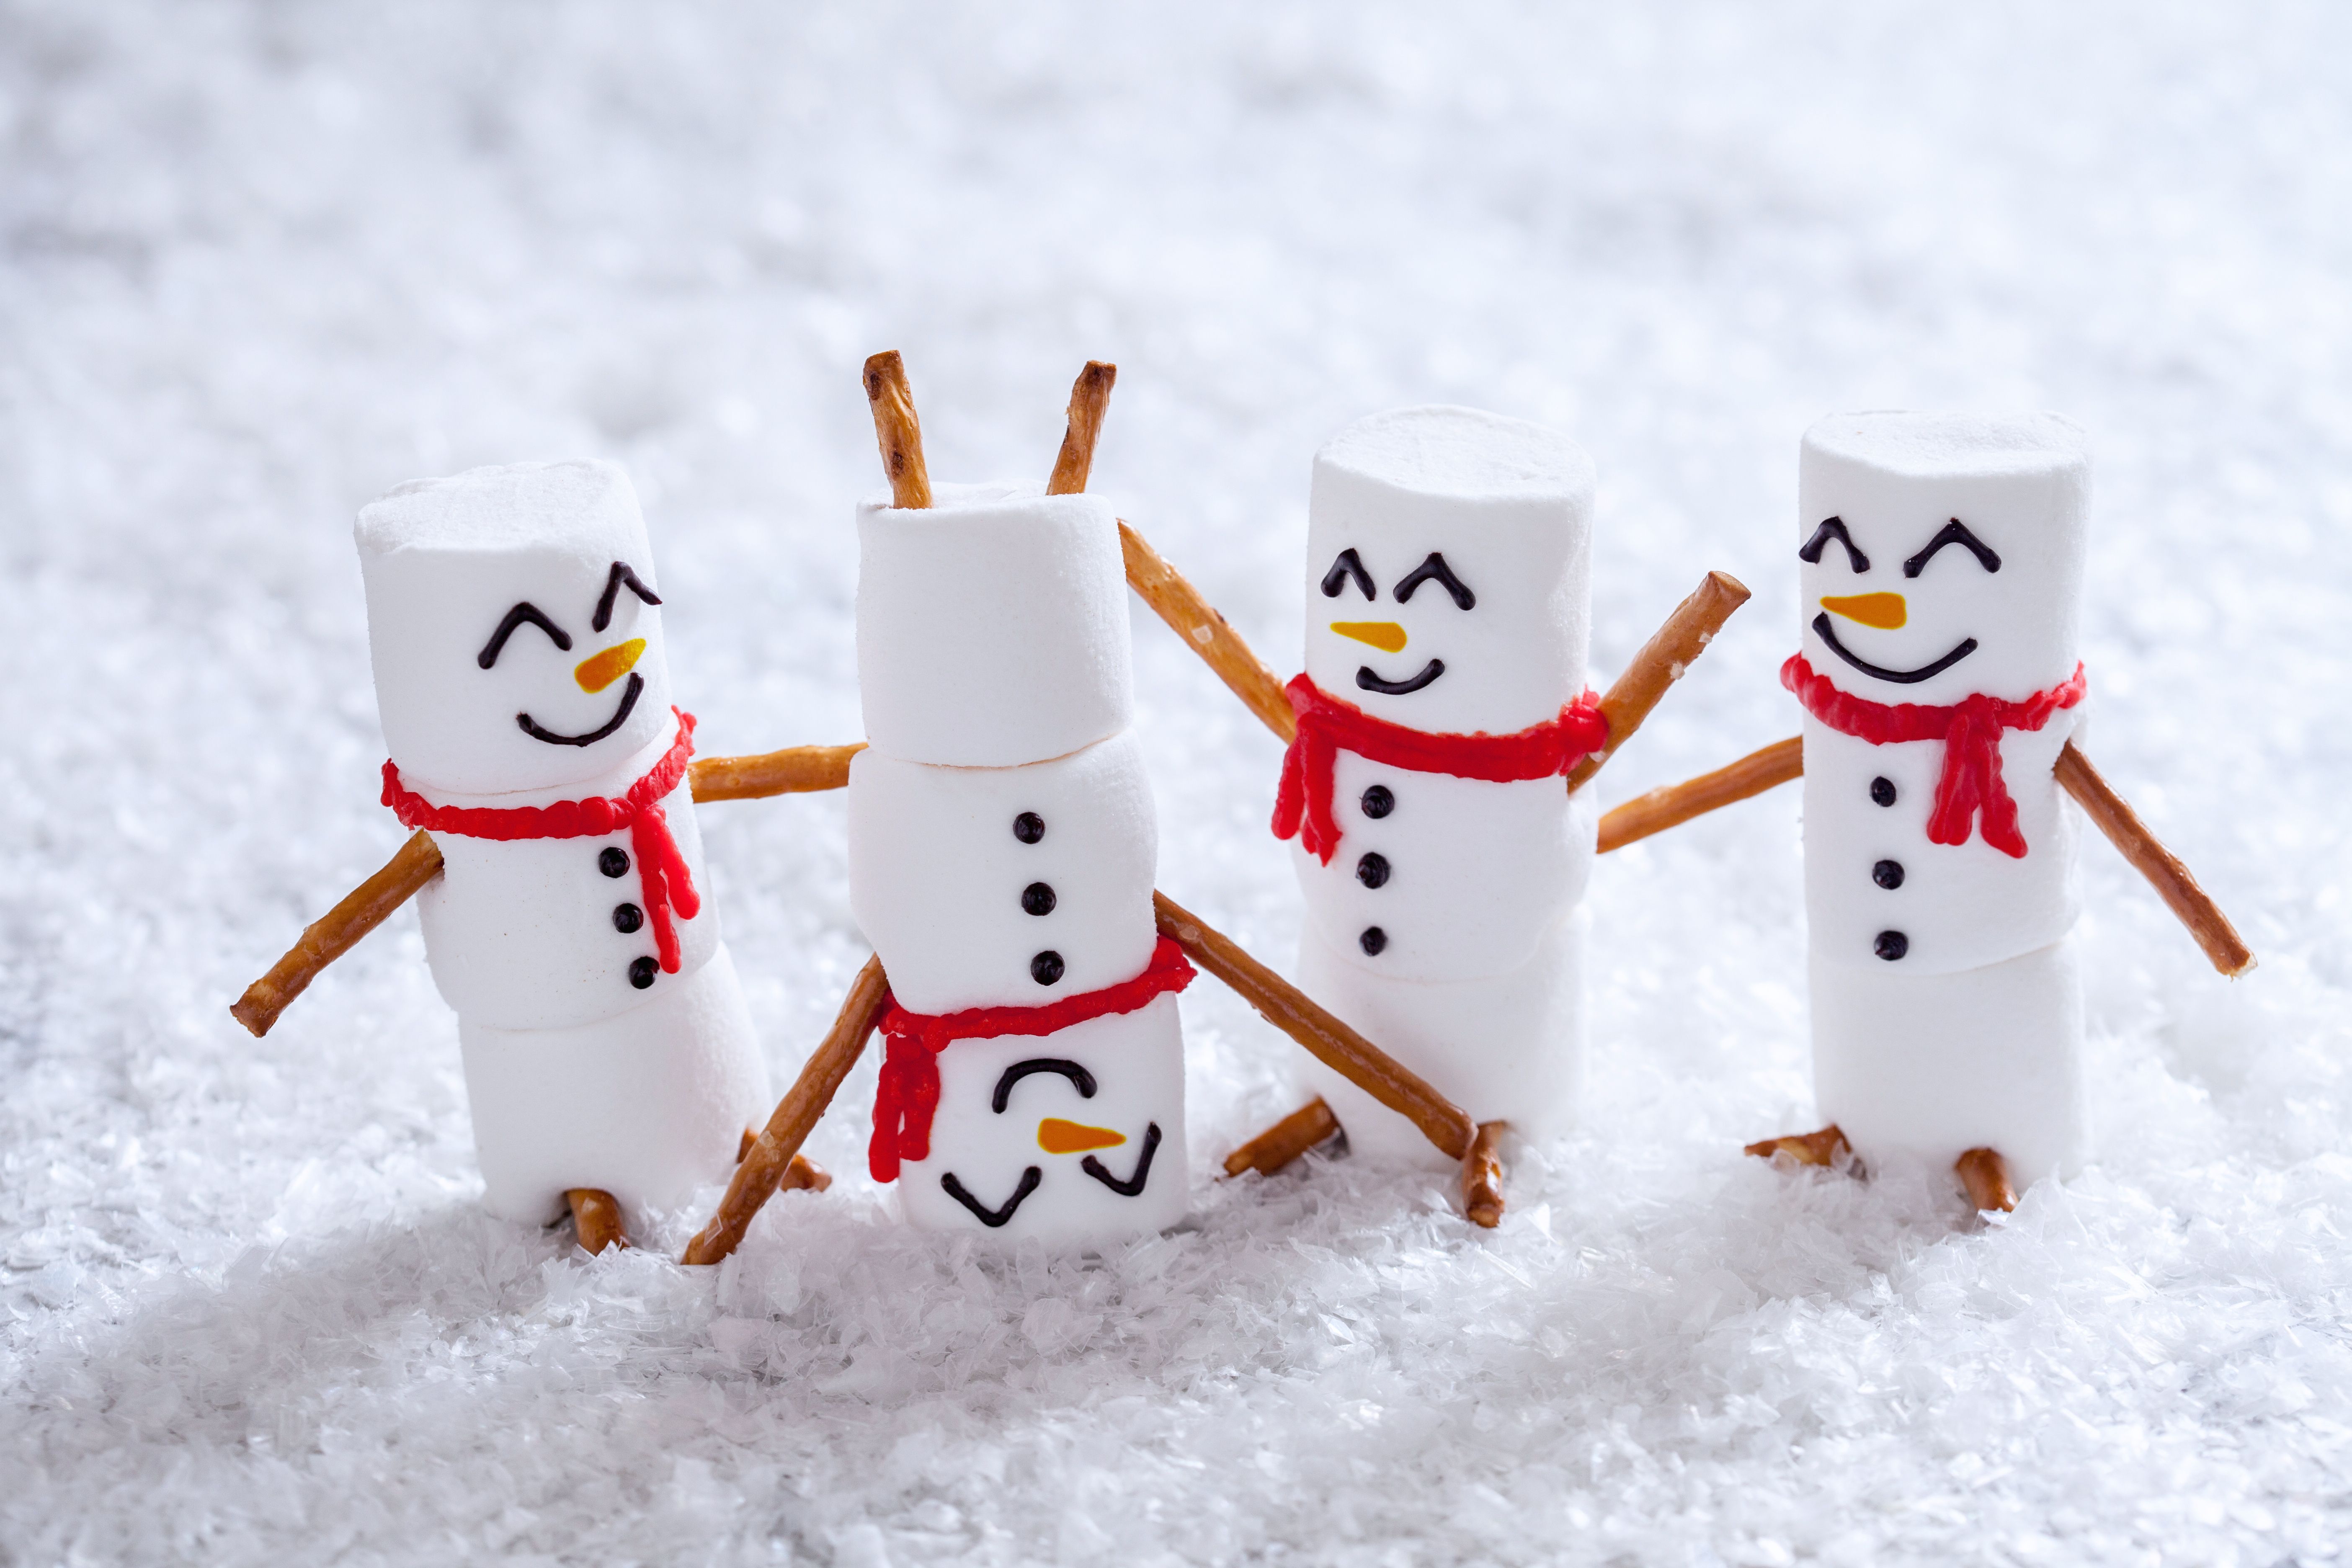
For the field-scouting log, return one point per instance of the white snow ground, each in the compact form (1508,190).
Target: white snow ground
(263,261)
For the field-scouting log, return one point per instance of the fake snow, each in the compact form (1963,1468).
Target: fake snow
(263,262)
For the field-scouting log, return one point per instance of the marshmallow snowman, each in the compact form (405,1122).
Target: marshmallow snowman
(1940,563)
(1002,855)
(1443,863)
(514,626)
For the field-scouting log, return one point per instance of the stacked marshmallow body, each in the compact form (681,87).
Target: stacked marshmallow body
(586,1065)
(1448,928)
(1002,851)
(1947,1011)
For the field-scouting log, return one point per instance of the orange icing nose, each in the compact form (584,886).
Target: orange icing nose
(599,671)
(1057,1136)
(1386,636)
(1884,611)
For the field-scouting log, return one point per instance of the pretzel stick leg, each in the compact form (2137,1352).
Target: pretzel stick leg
(595,1219)
(1278,1145)
(332,935)
(897,430)
(1673,804)
(2163,870)
(1821,1148)
(792,771)
(1328,1040)
(1088,399)
(1664,660)
(1482,1176)
(775,1151)
(1986,1175)
(1206,633)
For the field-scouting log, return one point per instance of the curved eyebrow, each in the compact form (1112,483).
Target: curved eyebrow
(1953,532)
(1434,569)
(1345,569)
(620,575)
(526,611)
(1077,1074)
(1833,528)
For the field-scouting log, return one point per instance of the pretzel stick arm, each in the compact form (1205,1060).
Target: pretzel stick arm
(2171,878)
(772,1153)
(1664,660)
(1288,1139)
(330,936)
(897,431)
(1196,622)
(792,771)
(1328,1040)
(1674,804)
(1088,399)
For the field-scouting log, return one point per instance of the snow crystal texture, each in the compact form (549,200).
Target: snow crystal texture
(258,263)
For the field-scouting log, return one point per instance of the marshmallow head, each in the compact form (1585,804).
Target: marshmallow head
(1449,570)
(992,626)
(514,626)
(1941,555)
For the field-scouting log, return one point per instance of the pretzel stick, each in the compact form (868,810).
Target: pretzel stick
(795,1117)
(1288,1139)
(1205,632)
(1986,1176)
(1673,804)
(792,771)
(1088,398)
(1482,1176)
(1664,660)
(595,1219)
(1328,1039)
(2163,870)
(897,430)
(330,936)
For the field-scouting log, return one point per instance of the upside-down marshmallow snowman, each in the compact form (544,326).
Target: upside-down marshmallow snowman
(1444,862)
(515,631)
(1002,851)
(1941,564)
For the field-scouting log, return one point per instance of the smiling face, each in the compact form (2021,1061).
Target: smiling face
(1448,562)
(1941,555)
(515,627)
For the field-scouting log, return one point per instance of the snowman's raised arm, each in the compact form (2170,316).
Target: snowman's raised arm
(2163,870)
(1665,659)
(332,935)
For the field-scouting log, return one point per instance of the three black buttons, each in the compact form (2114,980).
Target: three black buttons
(1037,898)
(1372,870)
(1889,945)
(627,919)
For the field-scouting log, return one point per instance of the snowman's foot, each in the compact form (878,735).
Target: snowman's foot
(1986,1176)
(1288,1139)
(1821,1148)
(1482,1176)
(743,1149)
(804,1175)
(595,1219)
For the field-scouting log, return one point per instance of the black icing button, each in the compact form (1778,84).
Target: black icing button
(614,861)
(1038,898)
(642,971)
(1891,945)
(1378,802)
(1373,870)
(1882,790)
(1888,874)
(1028,827)
(1373,941)
(627,918)
(1046,967)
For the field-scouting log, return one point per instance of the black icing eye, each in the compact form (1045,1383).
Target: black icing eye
(523,615)
(1953,532)
(1348,569)
(1832,528)
(1435,570)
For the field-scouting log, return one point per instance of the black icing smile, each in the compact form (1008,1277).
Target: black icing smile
(628,701)
(1828,634)
(1370,681)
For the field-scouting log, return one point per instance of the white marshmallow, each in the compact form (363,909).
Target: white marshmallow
(992,628)
(1505,1048)
(938,875)
(2020,485)
(644,1105)
(1135,1062)
(1923,1067)
(520,933)
(1472,874)
(1509,507)
(445,562)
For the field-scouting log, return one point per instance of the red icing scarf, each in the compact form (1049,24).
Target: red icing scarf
(1971,730)
(1326,725)
(909,1090)
(661,869)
